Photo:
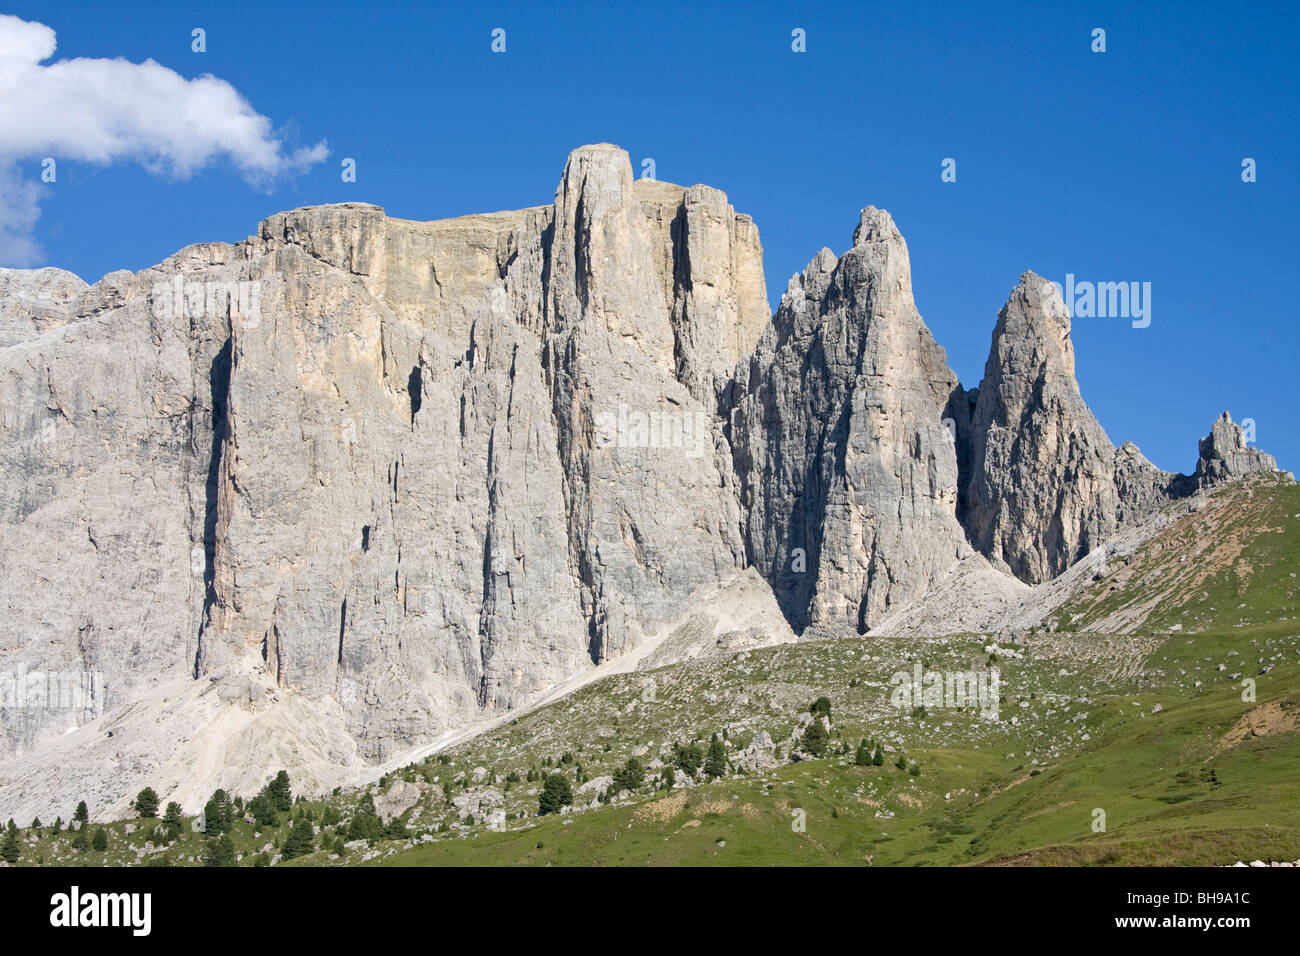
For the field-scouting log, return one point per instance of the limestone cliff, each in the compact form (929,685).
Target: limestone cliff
(356,484)
(848,474)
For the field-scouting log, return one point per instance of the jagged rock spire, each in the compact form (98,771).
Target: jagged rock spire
(848,474)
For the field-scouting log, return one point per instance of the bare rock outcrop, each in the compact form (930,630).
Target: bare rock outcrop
(847,472)
(1225,456)
(1040,491)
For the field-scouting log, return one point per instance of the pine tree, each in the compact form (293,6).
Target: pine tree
(878,758)
(366,824)
(218,814)
(100,842)
(221,851)
(82,840)
(715,765)
(688,758)
(36,824)
(173,824)
(814,738)
(300,841)
(262,807)
(821,706)
(146,803)
(556,793)
(10,848)
(212,817)
(396,829)
(82,815)
(630,776)
(279,792)
(863,757)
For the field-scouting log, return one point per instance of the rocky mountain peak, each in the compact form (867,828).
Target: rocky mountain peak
(1224,454)
(847,473)
(1034,330)
(875,225)
(1040,488)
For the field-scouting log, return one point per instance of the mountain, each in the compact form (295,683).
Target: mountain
(359,485)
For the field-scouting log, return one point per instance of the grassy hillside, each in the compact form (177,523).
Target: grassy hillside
(1231,563)
(1177,786)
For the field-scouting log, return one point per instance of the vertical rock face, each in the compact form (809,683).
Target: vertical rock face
(1141,486)
(438,469)
(106,417)
(652,514)
(1040,491)
(720,298)
(847,471)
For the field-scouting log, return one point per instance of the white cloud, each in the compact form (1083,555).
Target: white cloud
(106,111)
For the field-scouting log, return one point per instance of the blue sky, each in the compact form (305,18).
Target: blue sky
(1119,166)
